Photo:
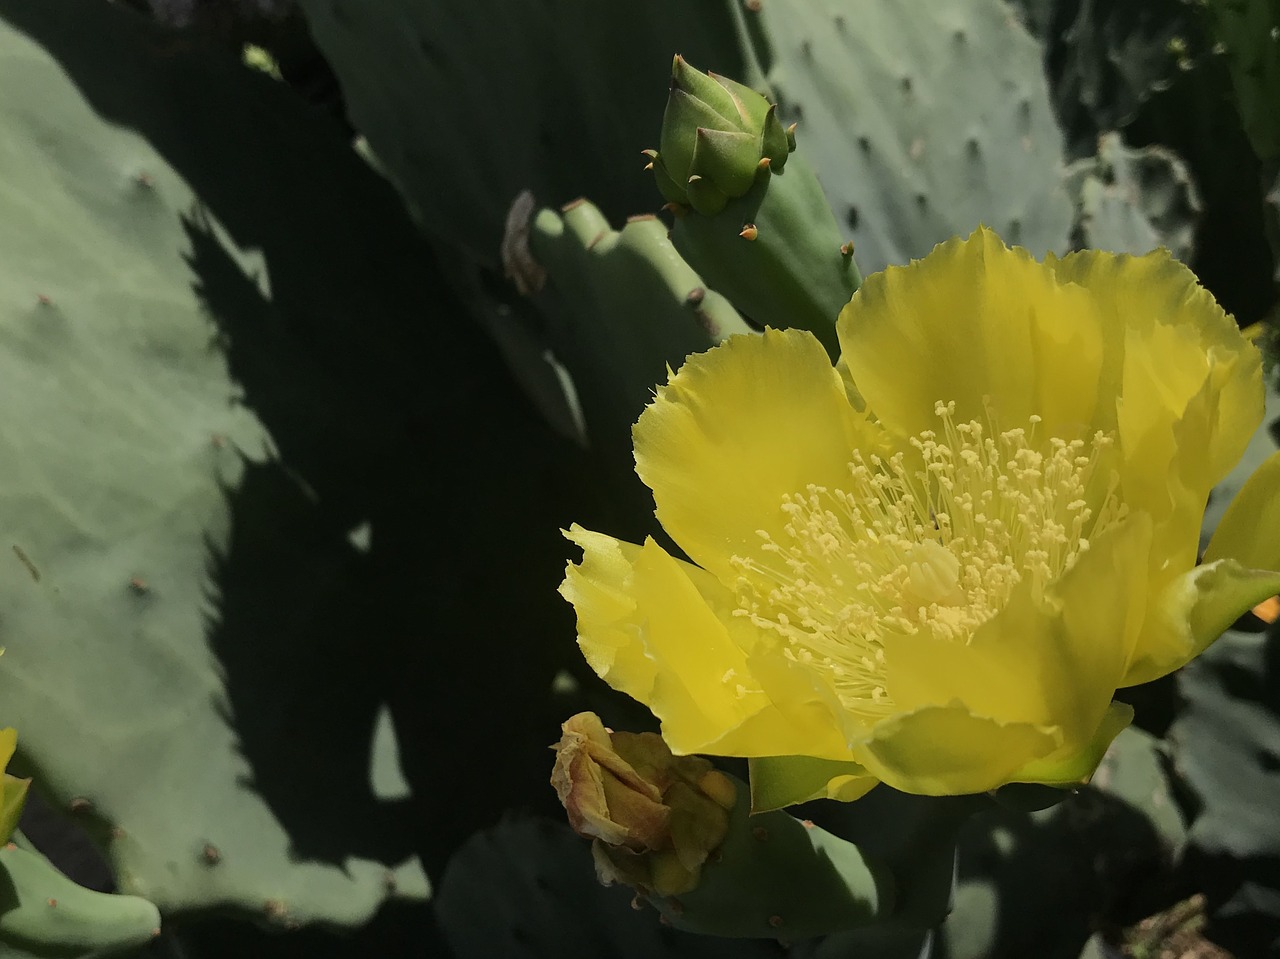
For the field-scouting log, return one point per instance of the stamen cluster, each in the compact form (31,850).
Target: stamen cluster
(933,539)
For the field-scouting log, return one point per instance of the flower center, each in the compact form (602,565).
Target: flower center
(934,540)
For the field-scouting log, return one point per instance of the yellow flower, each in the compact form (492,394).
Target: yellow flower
(934,564)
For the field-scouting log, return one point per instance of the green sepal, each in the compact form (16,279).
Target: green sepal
(730,160)
(684,115)
(779,781)
(713,95)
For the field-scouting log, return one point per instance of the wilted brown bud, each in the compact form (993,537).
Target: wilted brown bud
(654,817)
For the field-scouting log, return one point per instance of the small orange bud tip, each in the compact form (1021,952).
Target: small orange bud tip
(10,845)
(696,296)
(637,903)
(155,933)
(694,179)
(749,232)
(791,130)
(807,823)
(847,248)
(651,154)
(764,163)
(648,166)
(53,903)
(753,5)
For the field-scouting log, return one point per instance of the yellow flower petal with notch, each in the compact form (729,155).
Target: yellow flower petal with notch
(934,564)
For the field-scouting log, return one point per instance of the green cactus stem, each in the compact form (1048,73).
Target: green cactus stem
(46,914)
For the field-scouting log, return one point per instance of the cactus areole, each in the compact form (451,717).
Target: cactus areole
(717,137)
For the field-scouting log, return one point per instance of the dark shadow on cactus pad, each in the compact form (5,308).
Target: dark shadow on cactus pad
(392,417)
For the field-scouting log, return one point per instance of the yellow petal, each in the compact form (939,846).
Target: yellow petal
(1179,345)
(778,781)
(1194,610)
(1249,531)
(979,324)
(736,429)
(1077,766)
(1052,663)
(598,591)
(947,751)
(662,631)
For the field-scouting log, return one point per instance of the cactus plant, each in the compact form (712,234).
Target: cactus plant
(1133,201)
(623,306)
(123,566)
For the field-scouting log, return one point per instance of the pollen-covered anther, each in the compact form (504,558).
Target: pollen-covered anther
(934,544)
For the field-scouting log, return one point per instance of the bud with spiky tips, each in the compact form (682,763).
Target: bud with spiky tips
(751,217)
(717,137)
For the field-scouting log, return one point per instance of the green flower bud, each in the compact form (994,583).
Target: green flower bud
(717,137)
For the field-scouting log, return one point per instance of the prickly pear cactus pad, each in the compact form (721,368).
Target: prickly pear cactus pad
(921,120)
(134,466)
(487,98)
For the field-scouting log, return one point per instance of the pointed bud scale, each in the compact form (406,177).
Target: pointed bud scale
(680,122)
(751,106)
(773,140)
(846,249)
(729,159)
(791,137)
(749,232)
(705,196)
(704,87)
(672,191)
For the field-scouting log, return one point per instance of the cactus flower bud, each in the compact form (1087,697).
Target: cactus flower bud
(655,817)
(717,136)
